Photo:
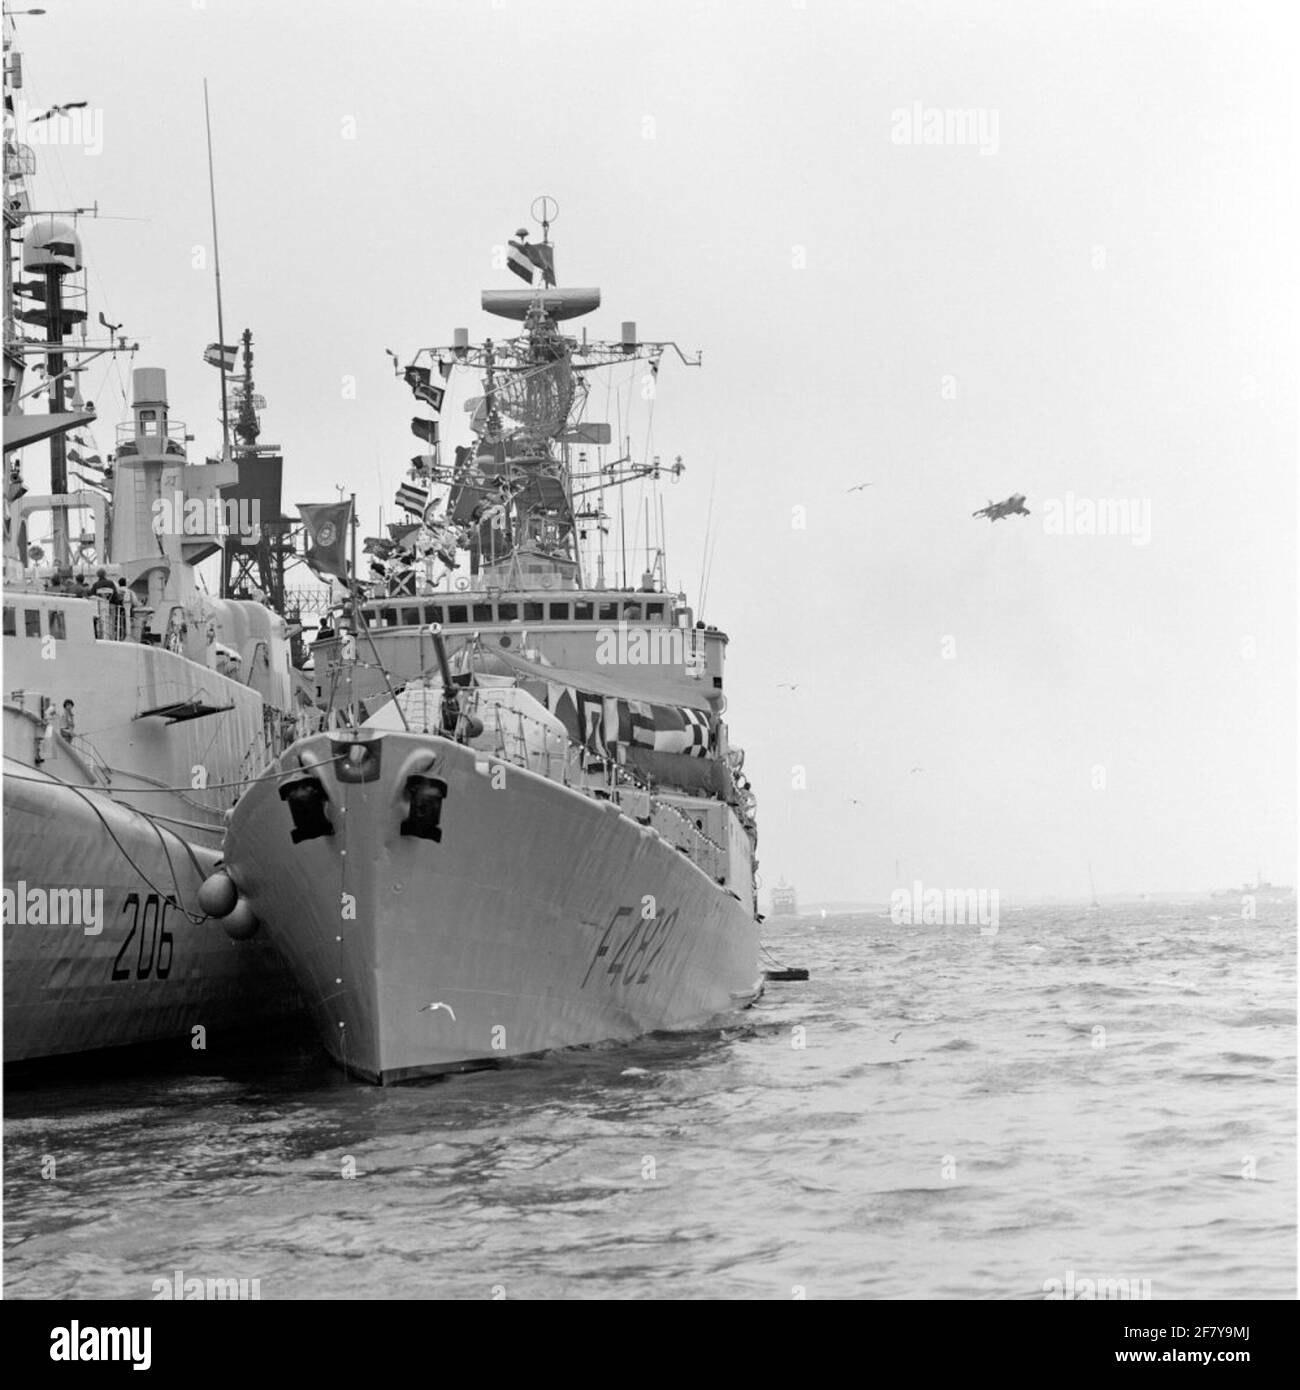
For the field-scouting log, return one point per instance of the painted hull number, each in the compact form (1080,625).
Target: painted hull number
(153,953)
(628,953)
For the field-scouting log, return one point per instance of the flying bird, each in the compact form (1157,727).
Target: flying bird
(915,769)
(440,1005)
(896,1036)
(58,110)
(857,487)
(786,685)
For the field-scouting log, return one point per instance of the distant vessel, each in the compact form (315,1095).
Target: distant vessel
(526,828)
(1261,888)
(785,902)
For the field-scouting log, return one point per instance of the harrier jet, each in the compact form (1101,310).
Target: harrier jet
(1013,506)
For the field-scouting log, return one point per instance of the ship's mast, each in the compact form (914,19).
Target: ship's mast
(51,251)
(216,266)
(534,388)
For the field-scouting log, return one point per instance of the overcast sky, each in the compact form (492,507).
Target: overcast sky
(1085,288)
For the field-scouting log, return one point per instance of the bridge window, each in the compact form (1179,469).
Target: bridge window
(507,612)
(608,611)
(632,612)
(582,612)
(433,614)
(32,622)
(458,613)
(410,617)
(388,617)
(11,625)
(534,612)
(58,627)
(560,611)
(482,612)
(655,610)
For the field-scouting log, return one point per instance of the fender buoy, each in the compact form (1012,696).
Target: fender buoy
(241,923)
(218,894)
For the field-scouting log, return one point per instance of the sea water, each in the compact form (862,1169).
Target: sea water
(1085,1100)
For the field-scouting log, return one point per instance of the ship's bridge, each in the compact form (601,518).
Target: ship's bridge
(650,635)
(486,608)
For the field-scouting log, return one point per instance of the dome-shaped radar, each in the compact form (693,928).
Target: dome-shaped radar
(52,245)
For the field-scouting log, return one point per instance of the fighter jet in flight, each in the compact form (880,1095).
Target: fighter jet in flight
(1013,506)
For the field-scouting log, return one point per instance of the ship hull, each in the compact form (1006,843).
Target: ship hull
(130,967)
(541,919)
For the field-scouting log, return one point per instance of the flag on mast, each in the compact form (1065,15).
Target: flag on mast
(542,255)
(403,533)
(418,379)
(220,355)
(327,536)
(524,257)
(517,258)
(412,499)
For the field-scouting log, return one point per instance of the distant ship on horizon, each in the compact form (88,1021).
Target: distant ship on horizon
(1261,888)
(785,901)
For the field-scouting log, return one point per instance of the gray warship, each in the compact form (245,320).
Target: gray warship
(525,826)
(136,706)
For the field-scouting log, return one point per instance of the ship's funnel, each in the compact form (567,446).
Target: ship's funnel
(149,387)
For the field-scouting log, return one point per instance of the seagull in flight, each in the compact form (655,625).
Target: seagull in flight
(896,1036)
(915,769)
(440,1005)
(58,110)
(786,685)
(857,487)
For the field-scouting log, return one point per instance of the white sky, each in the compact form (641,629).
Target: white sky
(1111,290)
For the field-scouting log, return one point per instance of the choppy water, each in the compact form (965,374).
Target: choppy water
(954,1126)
